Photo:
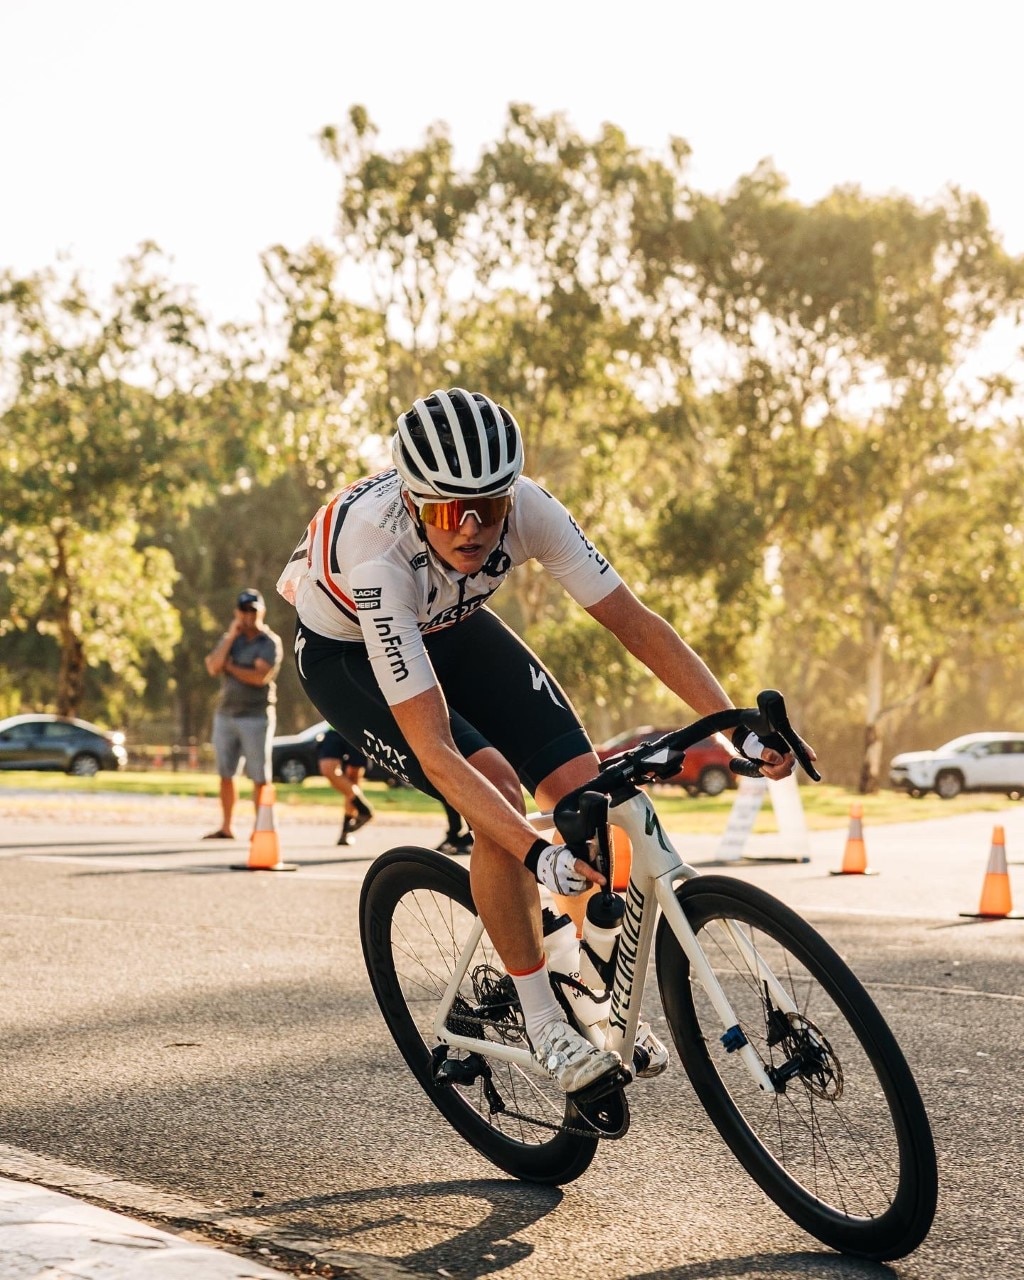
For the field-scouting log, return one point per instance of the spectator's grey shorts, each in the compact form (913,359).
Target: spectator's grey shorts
(235,737)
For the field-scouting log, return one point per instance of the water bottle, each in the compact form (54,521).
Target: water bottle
(562,948)
(601,928)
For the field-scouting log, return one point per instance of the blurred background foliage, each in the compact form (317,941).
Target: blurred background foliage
(779,421)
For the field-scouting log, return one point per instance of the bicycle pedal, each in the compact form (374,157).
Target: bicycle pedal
(607,1084)
(603,1106)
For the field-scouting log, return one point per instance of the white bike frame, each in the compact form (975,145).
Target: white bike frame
(655,871)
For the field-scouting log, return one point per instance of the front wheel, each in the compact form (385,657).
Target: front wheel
(416,915)
(843,1145)
(84,765)
(949,784)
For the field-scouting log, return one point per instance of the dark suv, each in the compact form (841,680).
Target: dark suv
(705,766)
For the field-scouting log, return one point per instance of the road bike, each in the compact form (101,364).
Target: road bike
(788,1054)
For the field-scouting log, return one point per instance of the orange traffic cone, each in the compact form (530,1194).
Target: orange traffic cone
(995,889)
(264,847)
(855,860)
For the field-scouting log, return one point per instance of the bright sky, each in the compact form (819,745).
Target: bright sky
(193,124)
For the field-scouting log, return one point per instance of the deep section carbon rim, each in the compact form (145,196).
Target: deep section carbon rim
(843,1145)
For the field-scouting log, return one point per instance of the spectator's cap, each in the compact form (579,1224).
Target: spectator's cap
(250,599)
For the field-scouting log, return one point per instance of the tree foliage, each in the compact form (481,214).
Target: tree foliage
(769,414)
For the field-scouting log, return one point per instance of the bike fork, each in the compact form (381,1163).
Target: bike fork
(733,1037)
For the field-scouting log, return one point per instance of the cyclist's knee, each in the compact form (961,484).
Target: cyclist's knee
(497,770)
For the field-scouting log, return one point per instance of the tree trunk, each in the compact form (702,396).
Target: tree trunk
(71,676)
(871,764)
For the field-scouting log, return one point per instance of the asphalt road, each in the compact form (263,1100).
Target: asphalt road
(198,1048)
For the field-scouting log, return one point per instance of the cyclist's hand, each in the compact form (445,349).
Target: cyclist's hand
(557,867)
(772,754)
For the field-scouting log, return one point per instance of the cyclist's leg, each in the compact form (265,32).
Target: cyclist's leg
(468,659)
(339,680)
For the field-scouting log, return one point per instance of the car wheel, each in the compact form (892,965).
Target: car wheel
(714,780)
(949,784)
(293,771)
(84,765)
(915,793)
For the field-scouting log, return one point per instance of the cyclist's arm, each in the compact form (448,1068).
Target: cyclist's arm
(666,654)
(423,720)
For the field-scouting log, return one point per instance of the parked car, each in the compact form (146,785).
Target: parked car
(705,765)
(57,743)
(294,757)
(973,762)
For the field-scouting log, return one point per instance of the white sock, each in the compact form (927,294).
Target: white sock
(538,1000)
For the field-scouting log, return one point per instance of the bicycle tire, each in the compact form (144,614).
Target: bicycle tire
(415,912)
(846,1149)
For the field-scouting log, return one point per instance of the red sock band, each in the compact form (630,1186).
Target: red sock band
(526,972)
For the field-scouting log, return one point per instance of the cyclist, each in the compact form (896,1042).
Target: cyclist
(396,647)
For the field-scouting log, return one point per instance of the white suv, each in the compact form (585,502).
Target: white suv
(974,762)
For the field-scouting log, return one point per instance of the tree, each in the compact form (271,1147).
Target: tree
(856,449)
(97,434)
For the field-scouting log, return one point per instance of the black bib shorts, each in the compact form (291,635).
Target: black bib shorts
(499,694)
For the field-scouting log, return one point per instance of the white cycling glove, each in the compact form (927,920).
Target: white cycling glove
(748,744)
(554,865)
(751,747)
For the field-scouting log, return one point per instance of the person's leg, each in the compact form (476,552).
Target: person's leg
(335,773)
(256,733)
(355,770)
(228,796)
(340,683)
(333,770)
(227,747)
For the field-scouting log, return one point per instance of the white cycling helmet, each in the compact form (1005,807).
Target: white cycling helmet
(455,444)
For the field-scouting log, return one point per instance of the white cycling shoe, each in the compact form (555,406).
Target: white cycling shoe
(655,1058)
(570,1059)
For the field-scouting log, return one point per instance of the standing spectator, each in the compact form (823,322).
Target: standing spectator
(344,767)
(456,839)
(247,658)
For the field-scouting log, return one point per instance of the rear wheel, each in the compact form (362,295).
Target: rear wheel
(293,770)
(415,916)
(843,1145)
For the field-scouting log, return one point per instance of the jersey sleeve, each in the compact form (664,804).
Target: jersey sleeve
(385,601)
(550,534)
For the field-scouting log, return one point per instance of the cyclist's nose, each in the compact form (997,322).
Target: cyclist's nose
(470,525)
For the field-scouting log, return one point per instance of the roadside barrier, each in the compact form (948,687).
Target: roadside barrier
(789,816)
(855,857)
(996,903)
(264,847)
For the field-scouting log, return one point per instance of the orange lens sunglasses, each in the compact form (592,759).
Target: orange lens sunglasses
(448,516)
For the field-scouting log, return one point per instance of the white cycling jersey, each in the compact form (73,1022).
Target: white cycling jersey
(363,573)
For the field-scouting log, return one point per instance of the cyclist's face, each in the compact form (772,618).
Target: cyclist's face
(466,548)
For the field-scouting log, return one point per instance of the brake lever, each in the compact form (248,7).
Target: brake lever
(772,718)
